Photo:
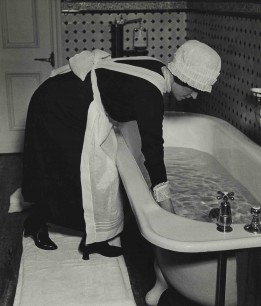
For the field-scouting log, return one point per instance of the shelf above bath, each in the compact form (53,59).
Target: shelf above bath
(147,6)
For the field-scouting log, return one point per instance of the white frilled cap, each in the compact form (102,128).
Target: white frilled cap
(196,64)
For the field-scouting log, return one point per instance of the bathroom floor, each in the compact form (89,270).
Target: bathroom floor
(138,252)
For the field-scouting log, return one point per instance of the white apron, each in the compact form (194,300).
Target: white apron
(103,211)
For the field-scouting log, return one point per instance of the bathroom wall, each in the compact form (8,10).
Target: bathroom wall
(232,28)
(87,31)
(236,35)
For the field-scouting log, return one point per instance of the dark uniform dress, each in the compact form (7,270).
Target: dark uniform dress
(55,128)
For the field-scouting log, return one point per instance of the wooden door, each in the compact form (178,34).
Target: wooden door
(29,30)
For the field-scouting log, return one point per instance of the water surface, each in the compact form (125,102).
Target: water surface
(195,177)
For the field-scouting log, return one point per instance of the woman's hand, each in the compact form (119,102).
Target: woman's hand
(167,205)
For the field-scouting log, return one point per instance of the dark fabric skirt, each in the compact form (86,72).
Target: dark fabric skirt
(55,127)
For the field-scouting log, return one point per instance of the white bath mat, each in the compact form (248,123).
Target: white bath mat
(62,278)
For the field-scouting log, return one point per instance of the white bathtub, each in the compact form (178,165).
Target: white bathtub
(183,247)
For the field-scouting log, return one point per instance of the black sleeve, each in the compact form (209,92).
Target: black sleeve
(149,110)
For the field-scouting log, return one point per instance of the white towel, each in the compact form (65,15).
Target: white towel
(62,278)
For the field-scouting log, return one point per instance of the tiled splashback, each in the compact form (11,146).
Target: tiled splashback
(81,31)
(238,41)
(236,37)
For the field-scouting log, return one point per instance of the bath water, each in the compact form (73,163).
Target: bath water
(195,177)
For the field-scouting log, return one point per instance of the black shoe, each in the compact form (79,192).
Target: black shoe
(83,248)
(41,238)
(103,248)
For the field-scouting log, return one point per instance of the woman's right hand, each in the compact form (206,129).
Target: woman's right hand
(167,205)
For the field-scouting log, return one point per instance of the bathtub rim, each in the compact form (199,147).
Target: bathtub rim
(171,231)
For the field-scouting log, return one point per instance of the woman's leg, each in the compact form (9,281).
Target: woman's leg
(54,134)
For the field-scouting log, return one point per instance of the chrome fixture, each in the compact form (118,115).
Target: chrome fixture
(254,227)
(225,218)
(139,34)
(140,38)
(256,92)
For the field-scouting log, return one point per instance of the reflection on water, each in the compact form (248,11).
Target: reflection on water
(195,177)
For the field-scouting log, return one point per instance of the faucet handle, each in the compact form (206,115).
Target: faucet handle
(254,227)
(255,210)
(225,195)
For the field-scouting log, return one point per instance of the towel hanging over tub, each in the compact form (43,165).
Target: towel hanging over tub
(101,198)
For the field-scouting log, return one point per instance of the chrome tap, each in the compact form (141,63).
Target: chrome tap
(254,227)
(224,220)
(123,21)
(117,35)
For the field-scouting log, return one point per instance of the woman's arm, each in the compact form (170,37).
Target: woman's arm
(149,110)
(149,114)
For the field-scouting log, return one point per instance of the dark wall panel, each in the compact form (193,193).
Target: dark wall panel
(238,41)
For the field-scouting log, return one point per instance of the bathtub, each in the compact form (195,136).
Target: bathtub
(186,250)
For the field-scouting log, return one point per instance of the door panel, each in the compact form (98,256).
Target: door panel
(15,84)
(29,30)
